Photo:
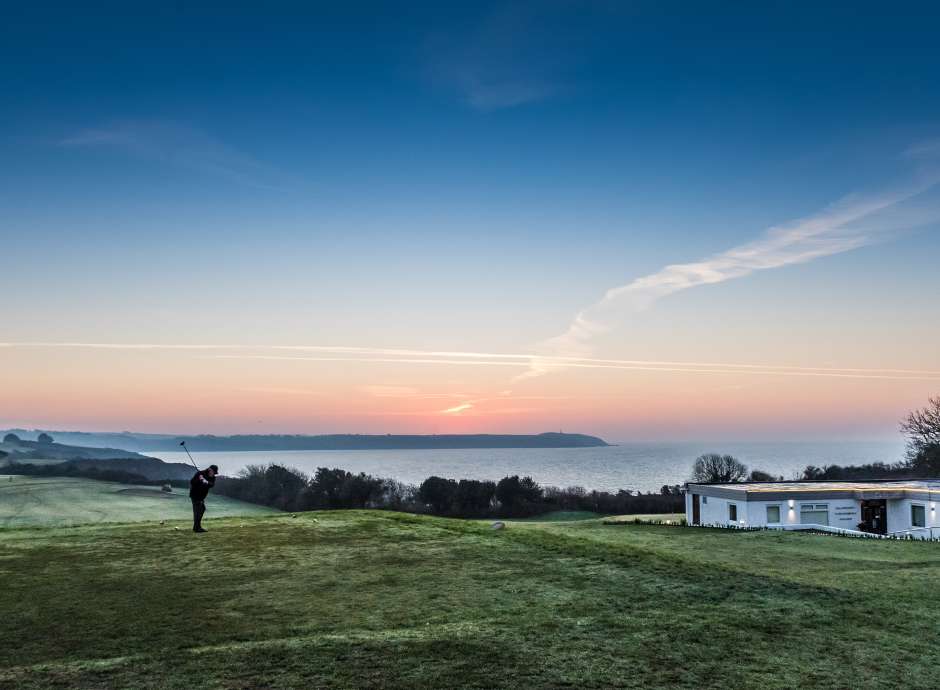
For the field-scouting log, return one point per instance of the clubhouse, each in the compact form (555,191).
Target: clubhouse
(891,508)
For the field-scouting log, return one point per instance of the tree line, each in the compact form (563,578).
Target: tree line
(79,469)
(511,497)
(922,459)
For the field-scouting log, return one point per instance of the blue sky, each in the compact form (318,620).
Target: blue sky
(470,177)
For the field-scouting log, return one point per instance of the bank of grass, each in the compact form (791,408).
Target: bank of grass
(378,599)
(66,501)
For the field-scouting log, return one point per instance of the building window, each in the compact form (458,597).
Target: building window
(814,513)
(918,516)
(773,514)
(733,512)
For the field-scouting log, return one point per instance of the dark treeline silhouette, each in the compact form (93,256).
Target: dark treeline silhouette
(924,465)
(288,489)
(922,428)
(80,470)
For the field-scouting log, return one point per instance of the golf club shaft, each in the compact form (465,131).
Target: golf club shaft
(190,456)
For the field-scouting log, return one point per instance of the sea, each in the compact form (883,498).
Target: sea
(632,466)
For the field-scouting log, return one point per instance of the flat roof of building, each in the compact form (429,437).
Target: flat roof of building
(769,491)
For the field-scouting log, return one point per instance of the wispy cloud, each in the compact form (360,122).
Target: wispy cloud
(853,222)
(457,409)
(179,145)
(383,355)
(520,53)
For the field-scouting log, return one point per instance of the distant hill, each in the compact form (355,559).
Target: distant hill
(166,442)
(13,449)
(21,450)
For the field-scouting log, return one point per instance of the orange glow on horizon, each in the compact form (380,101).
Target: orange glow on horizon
(170,391)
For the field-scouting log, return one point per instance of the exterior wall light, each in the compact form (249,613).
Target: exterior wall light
(790,503)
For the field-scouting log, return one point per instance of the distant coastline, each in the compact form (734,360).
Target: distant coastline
(272,442)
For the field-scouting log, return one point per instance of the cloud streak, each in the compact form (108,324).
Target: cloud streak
(851,223)
(179,145)
(520,53)
(382,355)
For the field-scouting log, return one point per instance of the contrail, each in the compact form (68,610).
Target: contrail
(588,364)
(381,355)
(834,230)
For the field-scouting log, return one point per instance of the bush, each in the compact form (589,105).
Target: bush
(926,461)
(511,497)
(335,488)
(875,470)
(713,468)
(474,497)
(518,496)
(439,493)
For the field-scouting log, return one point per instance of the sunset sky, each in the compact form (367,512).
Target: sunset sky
(609,218)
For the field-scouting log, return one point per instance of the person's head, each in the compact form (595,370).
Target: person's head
(213,470)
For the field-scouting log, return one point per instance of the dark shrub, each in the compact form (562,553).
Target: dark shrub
(439,493)
(474,497)
(713,468)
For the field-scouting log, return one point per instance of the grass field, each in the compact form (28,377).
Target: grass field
(64,501)
(371,599)
(562,516)
(576,515)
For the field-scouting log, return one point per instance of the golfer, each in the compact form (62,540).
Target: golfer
(199,487)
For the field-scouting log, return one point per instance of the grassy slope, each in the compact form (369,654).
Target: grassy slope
(62,501)
(367,599)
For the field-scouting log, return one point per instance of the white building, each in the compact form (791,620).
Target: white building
(897,508)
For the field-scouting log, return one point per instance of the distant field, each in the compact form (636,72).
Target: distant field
(655,517)
(562,516)
(63,501)
(367,599)
(580,515)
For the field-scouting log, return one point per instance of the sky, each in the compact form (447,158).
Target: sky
(645,221)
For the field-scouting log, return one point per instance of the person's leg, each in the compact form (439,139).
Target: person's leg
(199,508)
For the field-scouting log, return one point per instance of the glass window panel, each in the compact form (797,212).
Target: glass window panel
(918,516)
(773,513)
(814,517)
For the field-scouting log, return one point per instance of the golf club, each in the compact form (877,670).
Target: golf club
(183,443)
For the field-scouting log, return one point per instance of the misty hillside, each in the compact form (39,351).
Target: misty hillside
(205,443)
(15,450)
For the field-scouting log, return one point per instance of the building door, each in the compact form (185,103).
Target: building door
(696,510)
(875,516)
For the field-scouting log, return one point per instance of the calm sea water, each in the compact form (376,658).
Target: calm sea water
(634,466)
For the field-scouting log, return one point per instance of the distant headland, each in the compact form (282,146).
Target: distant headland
(270,442)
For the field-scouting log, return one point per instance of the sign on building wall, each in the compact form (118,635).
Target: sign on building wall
(847,514)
